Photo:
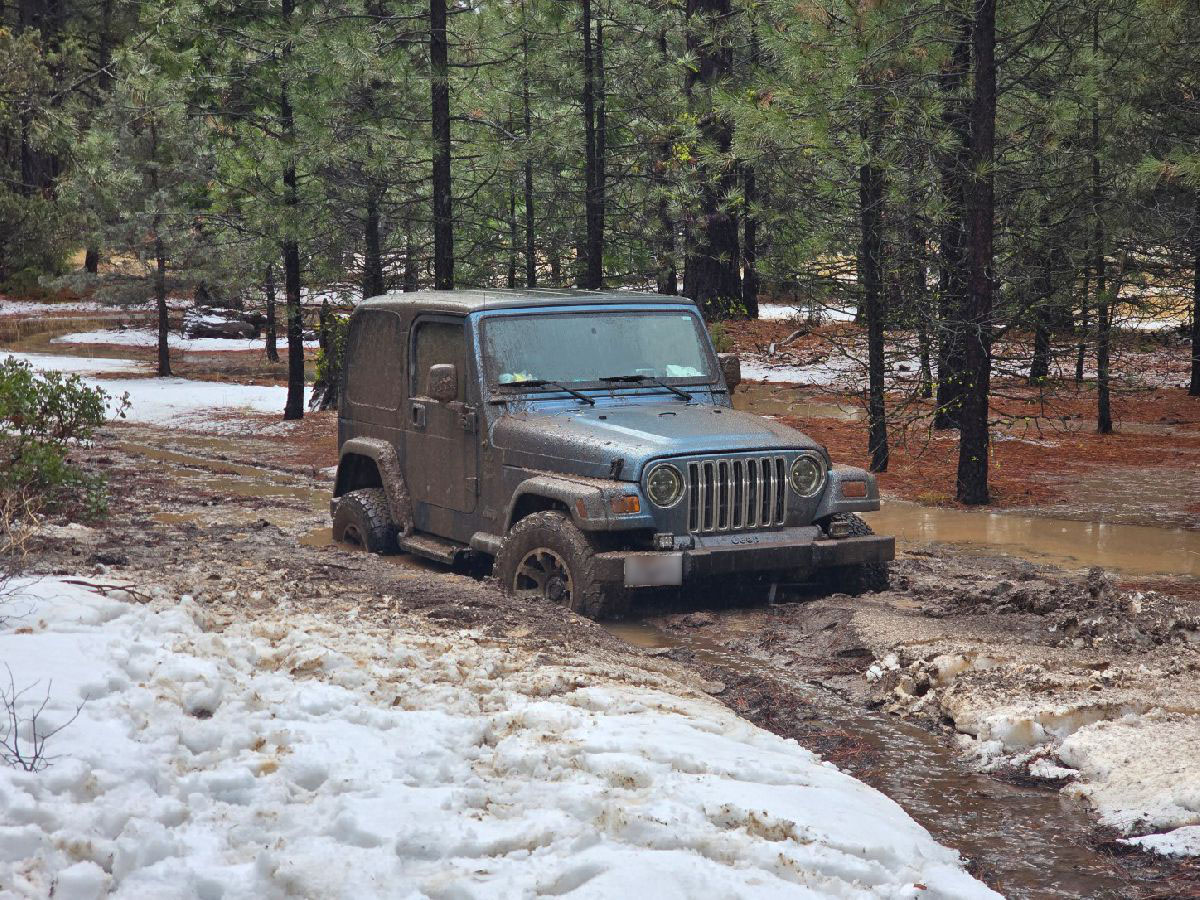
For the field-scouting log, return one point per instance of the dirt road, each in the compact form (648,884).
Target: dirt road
(908,690)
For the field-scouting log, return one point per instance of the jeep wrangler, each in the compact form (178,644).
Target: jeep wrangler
(585,442)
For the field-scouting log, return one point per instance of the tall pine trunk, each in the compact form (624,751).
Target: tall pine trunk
(973,428)
(443,206)
(294,407)
(527,121)
(711,276)
(272,325)
(160,264)
(592,271)
(870,265)
(666,274)
(1194,386)
(1084,306)
(953,174)
(372,285)
(750,243)
(1103,301)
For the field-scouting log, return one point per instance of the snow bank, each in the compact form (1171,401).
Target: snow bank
(180,402)
(148,337)
(299,757)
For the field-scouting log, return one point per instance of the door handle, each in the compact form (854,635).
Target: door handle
(417,412)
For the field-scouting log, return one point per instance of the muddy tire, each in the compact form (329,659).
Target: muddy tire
(867,578)
(545,557)
(362,520)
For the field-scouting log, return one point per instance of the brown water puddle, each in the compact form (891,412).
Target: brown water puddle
(1030,842)
(782,400)
(1128,549)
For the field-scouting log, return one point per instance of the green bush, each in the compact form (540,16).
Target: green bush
(722,342)
(41,417)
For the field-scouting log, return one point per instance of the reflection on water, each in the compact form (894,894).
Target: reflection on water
(1130,549)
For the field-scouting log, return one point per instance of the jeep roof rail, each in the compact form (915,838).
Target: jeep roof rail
(473,299)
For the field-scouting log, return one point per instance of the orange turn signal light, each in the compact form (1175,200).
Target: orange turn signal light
(625,504)
(854,489)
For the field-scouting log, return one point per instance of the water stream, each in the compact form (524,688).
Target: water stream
(1026,842)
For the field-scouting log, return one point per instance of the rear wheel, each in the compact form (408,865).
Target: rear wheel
(546,557)
(865,578)
(363,520)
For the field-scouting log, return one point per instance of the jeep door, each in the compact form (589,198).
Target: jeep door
(441,432)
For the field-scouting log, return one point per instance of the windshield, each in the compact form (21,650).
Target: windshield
(574,348)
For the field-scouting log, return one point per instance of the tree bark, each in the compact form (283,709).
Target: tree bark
(411,281)
(91,260)
(711,275)
(1081,347)
(160,302)
(512,239)
(592,271)
(1194,386)
(749,243)
(870,265)
(272,326)
(373,284)
(666,274)
(1103,305)
(527,121)
(443,204)
(294,407)
(953,174)
(973,428)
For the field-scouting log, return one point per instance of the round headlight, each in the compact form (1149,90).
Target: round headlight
(664,485)
(807,476)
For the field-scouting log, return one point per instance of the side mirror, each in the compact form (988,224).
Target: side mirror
(731,369)
(443,382)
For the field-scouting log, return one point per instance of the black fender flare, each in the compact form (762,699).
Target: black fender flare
(391,476)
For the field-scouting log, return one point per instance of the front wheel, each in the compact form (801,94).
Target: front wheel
(363,521)
(546,557)
(864,578)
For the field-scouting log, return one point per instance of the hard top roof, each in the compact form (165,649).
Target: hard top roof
(474,299)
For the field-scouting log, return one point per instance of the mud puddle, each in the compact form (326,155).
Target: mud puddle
(784,400)
(1026,842)
(1128,549)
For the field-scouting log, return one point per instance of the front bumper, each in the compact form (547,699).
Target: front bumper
(799,555)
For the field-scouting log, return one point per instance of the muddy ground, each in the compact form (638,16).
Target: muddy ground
(240,524)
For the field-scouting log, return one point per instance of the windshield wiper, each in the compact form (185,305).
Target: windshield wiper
(544,383)
(638,379)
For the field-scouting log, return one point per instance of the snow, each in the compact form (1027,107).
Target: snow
(776,311)
(306,756)
(180,402)
(1180,842)
(148,337)
(78,365)
(29,307)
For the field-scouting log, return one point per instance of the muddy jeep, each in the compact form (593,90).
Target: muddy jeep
(586,443)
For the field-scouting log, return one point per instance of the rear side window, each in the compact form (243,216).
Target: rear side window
(438,342)
(375,360)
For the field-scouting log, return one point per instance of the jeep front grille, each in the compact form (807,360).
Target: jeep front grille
(736,494)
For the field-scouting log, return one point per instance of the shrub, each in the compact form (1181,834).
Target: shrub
(722,341)
(41,417)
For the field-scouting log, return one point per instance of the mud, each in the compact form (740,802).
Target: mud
(242,527)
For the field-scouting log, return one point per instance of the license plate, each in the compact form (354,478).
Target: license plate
(654,569)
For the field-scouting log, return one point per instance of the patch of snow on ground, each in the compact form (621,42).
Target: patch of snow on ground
(785,312)
(181,402)
(148,337)
(302,757)
(77,365)
(1180,842)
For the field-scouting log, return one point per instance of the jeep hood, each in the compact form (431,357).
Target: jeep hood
(586,441)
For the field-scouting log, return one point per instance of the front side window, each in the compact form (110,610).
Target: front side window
(587,348)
